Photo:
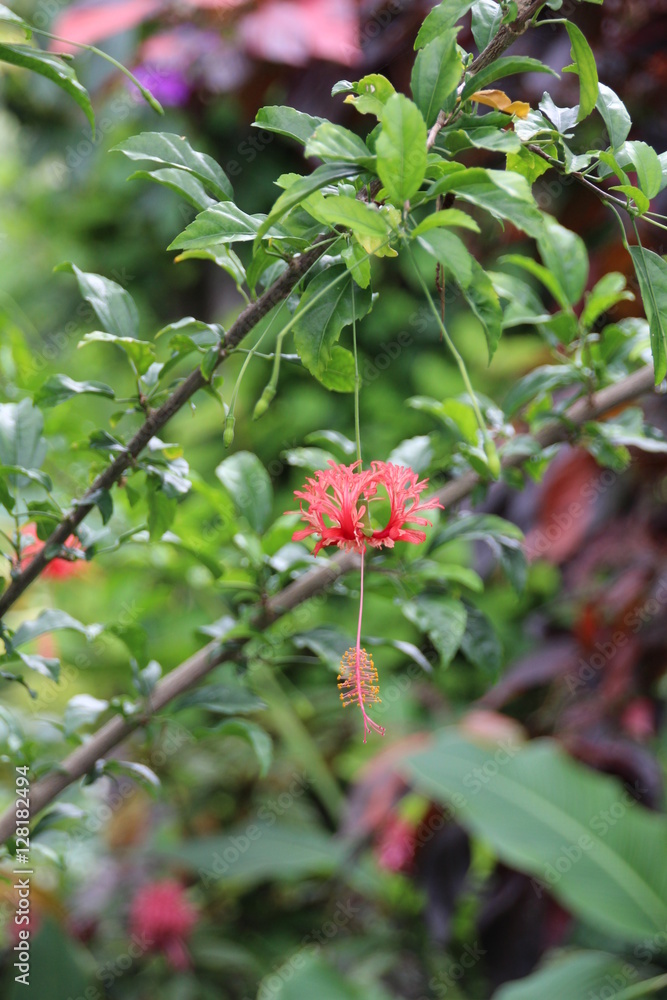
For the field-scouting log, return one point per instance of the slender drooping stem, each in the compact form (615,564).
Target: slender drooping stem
(361,666)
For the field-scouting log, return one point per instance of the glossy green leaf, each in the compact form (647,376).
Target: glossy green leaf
(83,710)
(577,975)
(647,165)
(53,68)
(505,195)
(564,254)
(651,271)
(605,294)
(614,114)
(249,486)
(288,121)
(299,191)
(440,19)
(345,211)
(59,388)
(487,16)
(21,441)
(338,376)
(435,76)
(166,149)
(483,299)
(326,307)
(333,143)
(401,149)
(502,67)
(480,643)
(535,384)
(583,63)
(186,185)
(444,218)
(451,252)
(50,620)
(220,224)
(113,306)
(140,353)
(443,619)
(579,833)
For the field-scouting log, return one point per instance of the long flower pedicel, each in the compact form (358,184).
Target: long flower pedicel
(335,505)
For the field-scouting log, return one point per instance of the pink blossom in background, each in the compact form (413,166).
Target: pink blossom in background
(162,914)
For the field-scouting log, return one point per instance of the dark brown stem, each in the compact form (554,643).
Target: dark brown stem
(317,580)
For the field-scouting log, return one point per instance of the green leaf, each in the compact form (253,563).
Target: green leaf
(502,67)
(371,93)
(485,137)
(222,223)
(614,114)
(345,211)
(313,976)
(401,149)
(161,509)
(186,185)
(221,699)
(528,164)
(337,144)
(651,272)
(135,769)
(505,195)
(8,15)
(358,263)
(578,832)
(304,187)
(45,665)
(442,618)
(288,121)
(249,486)
(53,68)
(168,150)
(583,63)
(440,19)
(628,429)
(578,975)
(549,280)
(34,475)
(642,203)
(487,16)
(326,307)
(263,850)
(51,620)
(565,255)
(258,738)
(338,376)
(537,383)
(59,388)
(21,441)
(483,299)
(82,710)
(480,643)
(449,251)
(435,76)
(647,165)
(607,292)
(140,353)
(221,255)
(446,217)
(113,306)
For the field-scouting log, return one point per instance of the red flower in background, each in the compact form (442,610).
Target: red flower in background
(56,569)
(337,503)
(162,914)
